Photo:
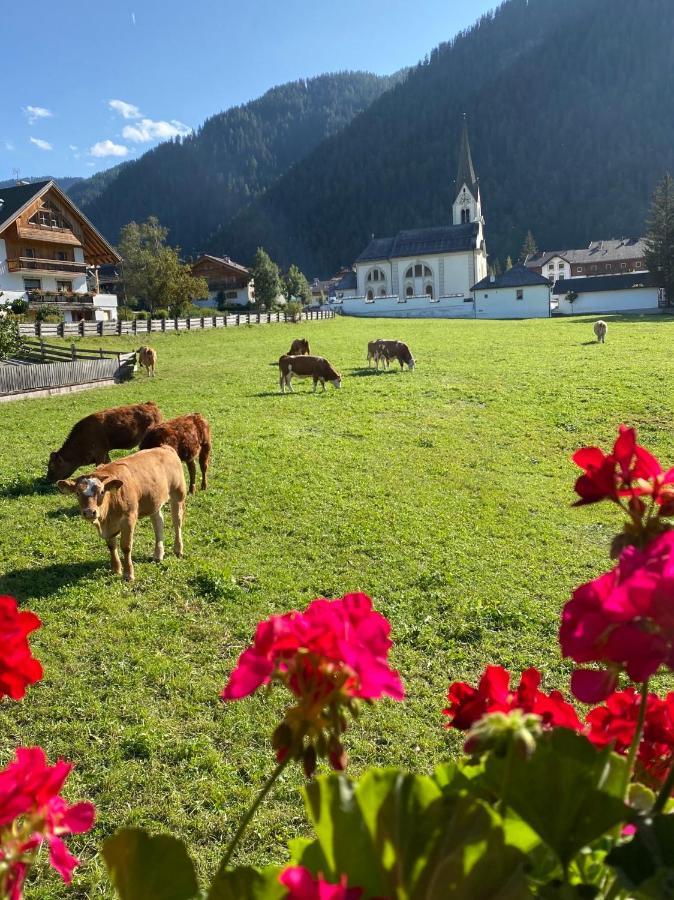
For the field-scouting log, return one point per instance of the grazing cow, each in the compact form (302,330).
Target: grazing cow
(190,436)
(93,437)
(147,359)
(114,496)
(306,367)
(299,347)
(600,330)
(396,350)
(374,353)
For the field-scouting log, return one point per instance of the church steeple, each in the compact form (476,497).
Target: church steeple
(467,206)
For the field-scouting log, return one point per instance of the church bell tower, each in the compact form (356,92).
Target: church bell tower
(467,206)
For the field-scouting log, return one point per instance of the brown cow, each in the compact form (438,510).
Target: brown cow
(190,436)
(94,436)
(396,350)
(375,353)
(299,347)
(114,496)
(306,367)
(147,359)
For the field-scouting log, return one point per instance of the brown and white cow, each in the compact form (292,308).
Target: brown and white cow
(307,367)
(299,347)
(396,350)
(115,496)
(93,437)
(373,353)
(190,436)
(147,359)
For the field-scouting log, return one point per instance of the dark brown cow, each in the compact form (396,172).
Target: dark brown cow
(306,367)
(299,347)
(92,438)
(396,350)
(114,496)
(190,436)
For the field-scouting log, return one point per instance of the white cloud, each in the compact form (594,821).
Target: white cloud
(126,110)
(73,147)
(43,145)
(8,145)
(148,130)
(108,148)
(37,112)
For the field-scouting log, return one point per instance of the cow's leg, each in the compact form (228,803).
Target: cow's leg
(127,547)
(204,459)
(282,382)
(114,555)
(177,509)
(192,469)
(289,382)
(315,384)
(158,525)
(323,384)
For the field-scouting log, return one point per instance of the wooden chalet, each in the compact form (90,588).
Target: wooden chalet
(229,283)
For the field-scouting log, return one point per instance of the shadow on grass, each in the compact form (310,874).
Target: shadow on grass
(365,373)
(582,319)
(40,582)
(71,512)
(590,344)
(25,487)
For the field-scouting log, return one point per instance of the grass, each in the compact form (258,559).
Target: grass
(444,493)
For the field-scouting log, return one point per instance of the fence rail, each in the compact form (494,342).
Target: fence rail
(21,378)
(39,351)
(147,326)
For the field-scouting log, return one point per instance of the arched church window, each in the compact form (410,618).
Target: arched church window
(429,291)
(370,295)
(465,216)
(382,292)
(409,291)
(427,272)
(410,272)
(418,269)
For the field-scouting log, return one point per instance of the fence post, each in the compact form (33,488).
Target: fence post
(175,324)
(119,326)
(258,318)
(202,321)
(60,329)
(80,325)
(237,318)
(163,324)
(189,324)
(100,352)
(133,326)
(73,351)
(42,350)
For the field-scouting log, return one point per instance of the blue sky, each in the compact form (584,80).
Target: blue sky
(101,81)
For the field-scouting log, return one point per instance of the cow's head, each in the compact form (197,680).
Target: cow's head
(337,382)
(91,492)
(410,363)
(58,467)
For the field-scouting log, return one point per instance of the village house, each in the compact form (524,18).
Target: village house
(51,253)
(229,283)
(616,257)
(518,293)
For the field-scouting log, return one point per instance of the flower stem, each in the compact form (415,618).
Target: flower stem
(636,740)
(665,792)
(245,822)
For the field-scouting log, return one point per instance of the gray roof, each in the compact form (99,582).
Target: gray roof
(347,282)
(422,242)
(600,283)
(597,252)
(15,198)
(466,171)
(518,276)
(223,260)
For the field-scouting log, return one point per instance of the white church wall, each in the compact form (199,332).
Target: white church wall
(502,303)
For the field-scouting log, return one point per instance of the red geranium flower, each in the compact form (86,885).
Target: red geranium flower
(18,668)
(615,724)
(330,657)
(623,619)
(31,812)
(467,705)
(302,885)
(630,470)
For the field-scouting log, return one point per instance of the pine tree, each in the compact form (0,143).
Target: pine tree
(497,268)
(267,280)
(296,285)
(529,247)
(659,253)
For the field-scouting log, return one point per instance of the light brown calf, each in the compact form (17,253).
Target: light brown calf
(299,347)
(373,353)
(600,331)
(190,436)
(114,496)
(147,359)
(306,367)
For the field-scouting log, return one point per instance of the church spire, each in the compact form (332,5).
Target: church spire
(466,170)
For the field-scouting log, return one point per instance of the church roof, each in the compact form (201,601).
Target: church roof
(599,283)
(422,242)
(517,276)
(347,282)
(466,171)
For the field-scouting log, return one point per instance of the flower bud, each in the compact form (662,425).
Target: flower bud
(337,755)
(498,731)
(282,737)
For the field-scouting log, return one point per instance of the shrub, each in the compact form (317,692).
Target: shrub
(293,310)
(48,312)
(141,314)
(19,306)
(160,314)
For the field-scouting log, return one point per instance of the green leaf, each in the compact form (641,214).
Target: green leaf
(246,883)
(145,867)
(645,864)
(568,792)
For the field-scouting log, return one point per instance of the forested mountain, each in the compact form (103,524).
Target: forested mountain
(66,184)
(196,183)
(84,191)
(571,113)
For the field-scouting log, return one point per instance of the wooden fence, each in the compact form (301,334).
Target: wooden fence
(19,378)
(146,326)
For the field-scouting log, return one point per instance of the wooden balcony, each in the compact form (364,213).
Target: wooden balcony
(57,266)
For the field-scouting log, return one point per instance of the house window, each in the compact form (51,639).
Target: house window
(32,284)
(231,295)
(579,270)
(64,287)
(551,267)
(623,265)
(520,293)
(61,255)
(608,267)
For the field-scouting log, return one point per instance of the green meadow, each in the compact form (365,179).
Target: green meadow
(445,493)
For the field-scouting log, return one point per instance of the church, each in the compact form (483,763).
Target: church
(426,272)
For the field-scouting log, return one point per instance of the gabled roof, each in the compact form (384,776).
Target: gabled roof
(466,171)
(599,283)
(223,261)
(347,282)
(16,199)
(597,252)
(422,242)
(517,276)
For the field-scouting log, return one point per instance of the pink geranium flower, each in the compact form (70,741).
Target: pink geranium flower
(302,885)
(32,812)
(467,705)
(18,668)
(624,620)
(331,656)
